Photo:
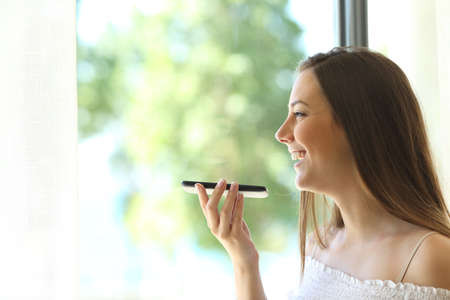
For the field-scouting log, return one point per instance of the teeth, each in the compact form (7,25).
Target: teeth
(298,155)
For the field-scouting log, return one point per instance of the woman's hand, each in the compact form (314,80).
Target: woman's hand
(228,226)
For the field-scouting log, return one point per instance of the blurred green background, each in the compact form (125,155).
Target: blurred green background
(200,88)
(192,90)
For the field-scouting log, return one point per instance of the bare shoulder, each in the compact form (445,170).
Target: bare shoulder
(431,264)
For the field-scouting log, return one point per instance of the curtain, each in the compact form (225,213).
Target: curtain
(38,152)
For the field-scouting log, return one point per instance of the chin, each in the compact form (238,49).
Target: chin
(299,185)
(302,186)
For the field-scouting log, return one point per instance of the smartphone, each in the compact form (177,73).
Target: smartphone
(249,191)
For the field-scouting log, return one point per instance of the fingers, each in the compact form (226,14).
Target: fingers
(211,207)
(202,196)
(230,218)
(226,211)
(245,228)
(233,212)
(237,218)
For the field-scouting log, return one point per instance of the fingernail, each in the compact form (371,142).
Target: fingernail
(220,183)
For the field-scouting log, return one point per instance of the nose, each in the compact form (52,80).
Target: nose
(284,133)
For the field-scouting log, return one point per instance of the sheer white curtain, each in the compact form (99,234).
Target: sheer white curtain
(38,152)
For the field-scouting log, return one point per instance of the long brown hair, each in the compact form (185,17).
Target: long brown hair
(373,102)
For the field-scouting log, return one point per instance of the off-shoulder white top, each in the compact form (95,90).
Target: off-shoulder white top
(323,282)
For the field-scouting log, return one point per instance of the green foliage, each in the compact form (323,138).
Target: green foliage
(199,89)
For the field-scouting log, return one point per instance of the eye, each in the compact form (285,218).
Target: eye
(296,114)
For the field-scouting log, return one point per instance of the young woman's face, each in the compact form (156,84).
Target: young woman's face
(310,126)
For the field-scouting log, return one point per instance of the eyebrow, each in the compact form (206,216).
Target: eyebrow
(298,101)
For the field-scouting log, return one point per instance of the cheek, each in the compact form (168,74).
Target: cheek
(321,141)
(314,136)
(305,137)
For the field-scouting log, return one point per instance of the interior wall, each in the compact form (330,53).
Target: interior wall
(416,35)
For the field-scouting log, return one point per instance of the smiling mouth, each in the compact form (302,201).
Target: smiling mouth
(298,155)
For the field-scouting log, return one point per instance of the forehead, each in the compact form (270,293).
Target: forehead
(306,88)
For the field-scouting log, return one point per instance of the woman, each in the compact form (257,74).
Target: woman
(355,120)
